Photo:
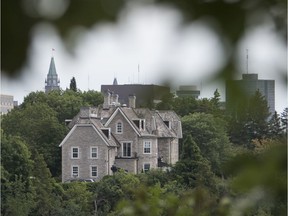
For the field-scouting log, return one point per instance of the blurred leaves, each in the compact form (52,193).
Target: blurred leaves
(229,19)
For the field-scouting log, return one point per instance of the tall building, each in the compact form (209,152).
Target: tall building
(7,103)
(188,91)
(247,86)
(146,94)
(52,81)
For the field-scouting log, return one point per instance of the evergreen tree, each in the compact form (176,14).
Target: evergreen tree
(216,98)
(250,121)
(73,85)
(193,170)
(284,120)
(209,133)
(274,124)
(190,149)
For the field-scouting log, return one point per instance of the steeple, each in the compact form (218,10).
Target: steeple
(115,81)
(52,81)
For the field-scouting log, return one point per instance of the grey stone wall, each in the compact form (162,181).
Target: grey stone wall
(84,137)
(128,164)
(168,150)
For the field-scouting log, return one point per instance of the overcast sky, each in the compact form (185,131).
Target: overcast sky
(154,39)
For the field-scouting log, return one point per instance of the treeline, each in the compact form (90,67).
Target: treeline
(230,163)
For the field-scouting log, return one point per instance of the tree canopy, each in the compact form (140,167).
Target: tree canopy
(209,133)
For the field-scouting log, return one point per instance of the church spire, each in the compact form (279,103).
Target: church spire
(115,81)
(52,81)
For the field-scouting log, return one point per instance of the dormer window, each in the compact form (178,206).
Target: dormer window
(140,123)
(119,128)
(167,123)
(106,131)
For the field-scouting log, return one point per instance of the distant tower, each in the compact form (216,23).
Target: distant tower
(115,81)
(236,89)
(52,81)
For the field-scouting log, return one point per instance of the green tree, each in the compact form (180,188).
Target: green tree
(77,200)
(284,120)
(17,198)
(166,102)
(193,170)
(73,85)
(65,103)
(274,127)
(92,98)
(185,106)
(44,186)
(16,170)
(260,176)
(111,189)
(250,121)
(15,157)
(38,125)
(209,133)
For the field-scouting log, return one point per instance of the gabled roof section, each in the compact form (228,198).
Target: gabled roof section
(95,125)
(173,118)
(119,110)
(52,68)
(161,128)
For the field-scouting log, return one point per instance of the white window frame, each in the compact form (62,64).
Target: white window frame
(78,152)
(91,152)
(120,124)
(126,142)
(142,123)
(91,171)
(72,171)
(144,146)
(146,170)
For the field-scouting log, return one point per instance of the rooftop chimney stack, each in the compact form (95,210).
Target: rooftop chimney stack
(132,101)
(107,99)
(114,99)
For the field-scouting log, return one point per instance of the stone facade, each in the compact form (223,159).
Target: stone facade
(133,139)
(6,103)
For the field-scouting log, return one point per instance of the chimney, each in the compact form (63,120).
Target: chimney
(114,99)
(107,96)
(132,101)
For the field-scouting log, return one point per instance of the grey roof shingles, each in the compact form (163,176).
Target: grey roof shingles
(154,120)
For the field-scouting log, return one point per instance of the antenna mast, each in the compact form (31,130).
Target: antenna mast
(138,73)
(88,82)
(247,61)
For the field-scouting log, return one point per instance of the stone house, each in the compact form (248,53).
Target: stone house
(126,137)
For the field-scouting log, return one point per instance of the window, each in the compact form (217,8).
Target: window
(106,131)
(126,149)
(147,147)
(140,123)
(94,171)
(75,153)
(94,152)
(167,123)
(146,167)
(119,128)
(75,171)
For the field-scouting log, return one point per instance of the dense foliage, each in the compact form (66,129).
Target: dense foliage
(214,174)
